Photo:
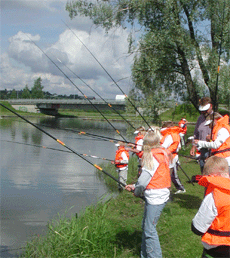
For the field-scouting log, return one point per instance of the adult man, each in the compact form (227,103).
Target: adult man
(220,136)
(201,131)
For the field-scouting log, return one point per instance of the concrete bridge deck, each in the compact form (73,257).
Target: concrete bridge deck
(51,106)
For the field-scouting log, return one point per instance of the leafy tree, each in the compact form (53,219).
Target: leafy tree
(13,94)
(224,86)
(26,93)
(36,91)
(179,47)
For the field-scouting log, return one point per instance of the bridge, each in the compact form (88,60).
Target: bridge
(51,106)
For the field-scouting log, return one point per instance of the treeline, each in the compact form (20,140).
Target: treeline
(36,92)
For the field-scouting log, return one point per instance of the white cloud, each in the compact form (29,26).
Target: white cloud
(27,61)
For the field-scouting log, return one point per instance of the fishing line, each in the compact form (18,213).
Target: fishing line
(64,145)
(109,75)
(98,95)
(77,88)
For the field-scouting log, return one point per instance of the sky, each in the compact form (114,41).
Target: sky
(27,23)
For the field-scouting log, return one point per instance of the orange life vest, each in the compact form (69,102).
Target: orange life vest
(219,231)
(118,156)
(224,150)
(161,178)
(174,132)
(183,126)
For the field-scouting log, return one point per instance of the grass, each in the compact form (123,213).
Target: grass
(112,228)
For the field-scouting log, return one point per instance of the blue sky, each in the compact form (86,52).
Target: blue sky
(42,21)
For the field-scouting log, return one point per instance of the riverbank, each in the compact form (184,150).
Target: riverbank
(113,228)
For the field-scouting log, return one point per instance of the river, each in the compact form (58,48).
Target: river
(37,183)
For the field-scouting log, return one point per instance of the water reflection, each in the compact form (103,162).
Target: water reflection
(38,183)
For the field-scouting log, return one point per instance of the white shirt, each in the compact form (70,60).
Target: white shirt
(139,145)
(166,144)
(205,216)
(222,136)
(124,161)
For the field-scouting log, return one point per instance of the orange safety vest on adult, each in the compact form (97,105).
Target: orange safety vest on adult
(174,132)
(118,157)
(219,231)
(183,126)
(161,178)
(224,150)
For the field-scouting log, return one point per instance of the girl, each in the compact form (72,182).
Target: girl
(154,182)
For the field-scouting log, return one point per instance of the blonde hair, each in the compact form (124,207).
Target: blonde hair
(150,141)
(141,130)
(216,166)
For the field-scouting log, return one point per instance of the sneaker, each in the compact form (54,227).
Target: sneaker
(180,191)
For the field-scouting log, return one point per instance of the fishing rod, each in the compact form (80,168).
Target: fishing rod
(64,145)
(99,95)
(218,69)
(99,137)
(184,172)
(77,88)
(49,148)
(217,76)
(109,75)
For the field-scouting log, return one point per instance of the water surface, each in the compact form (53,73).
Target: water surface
(38,183)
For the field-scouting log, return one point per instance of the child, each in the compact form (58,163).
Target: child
(155,182)
(121,162)
(183,125)
(212,220)
(171,142)
(137,147)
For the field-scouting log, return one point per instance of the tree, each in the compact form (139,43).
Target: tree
(13,94)
(36,91)
(179,47)
(26,93)
(224,88)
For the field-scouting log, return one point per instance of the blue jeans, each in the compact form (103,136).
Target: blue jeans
(150,246)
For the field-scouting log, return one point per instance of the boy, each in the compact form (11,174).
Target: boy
(121,163)
(212,220)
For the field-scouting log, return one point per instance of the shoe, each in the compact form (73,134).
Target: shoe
(180,191)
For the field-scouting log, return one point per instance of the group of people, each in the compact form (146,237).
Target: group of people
(157,150)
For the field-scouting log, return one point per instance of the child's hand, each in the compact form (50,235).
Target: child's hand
(130,188)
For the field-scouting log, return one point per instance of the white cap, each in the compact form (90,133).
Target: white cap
(208,122)
(117,144)
(136,132)
(204,108)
